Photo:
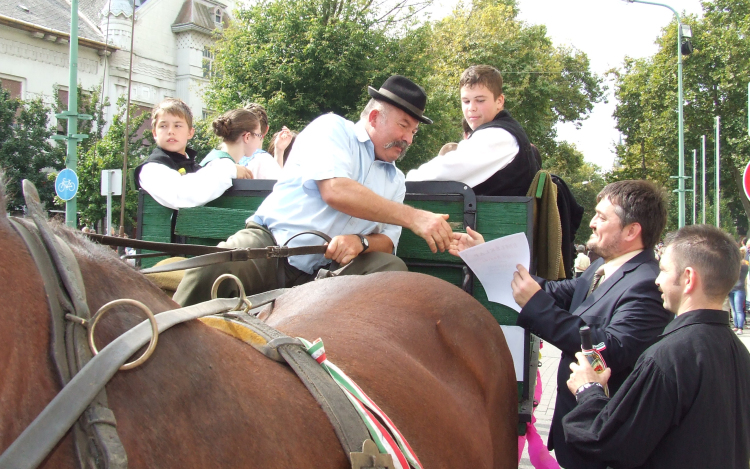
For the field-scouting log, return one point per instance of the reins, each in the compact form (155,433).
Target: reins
(209,255)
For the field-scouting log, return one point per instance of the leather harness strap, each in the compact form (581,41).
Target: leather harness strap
(347,423)
(96,441)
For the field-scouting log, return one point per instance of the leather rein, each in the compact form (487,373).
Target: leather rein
(208,255)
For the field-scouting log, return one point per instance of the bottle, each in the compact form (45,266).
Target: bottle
(592,355)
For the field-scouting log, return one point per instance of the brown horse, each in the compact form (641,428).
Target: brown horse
(430,355)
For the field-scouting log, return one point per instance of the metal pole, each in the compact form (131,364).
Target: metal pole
(71,162)
(703,183)
(127,129)
(110,174)
(695,158)
(680,99)
(718,173)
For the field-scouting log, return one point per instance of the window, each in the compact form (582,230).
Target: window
(62,97)
(208,62)
(13,86)
(217,16)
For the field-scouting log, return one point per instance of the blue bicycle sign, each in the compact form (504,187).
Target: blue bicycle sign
(66,184)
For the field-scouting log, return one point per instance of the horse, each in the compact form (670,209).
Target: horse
(425,351)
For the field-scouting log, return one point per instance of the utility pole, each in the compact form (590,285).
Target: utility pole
(72,138)
(695,192)
(703,183)
(718,172)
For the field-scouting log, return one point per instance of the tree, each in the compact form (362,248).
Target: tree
(300,59)
(25,148)
(107,153)
(714,83)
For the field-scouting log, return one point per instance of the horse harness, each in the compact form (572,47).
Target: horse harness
(82,402)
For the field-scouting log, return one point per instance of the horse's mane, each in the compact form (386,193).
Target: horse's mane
(82,246)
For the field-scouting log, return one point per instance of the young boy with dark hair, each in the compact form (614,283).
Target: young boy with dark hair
(170,175)
(496,158)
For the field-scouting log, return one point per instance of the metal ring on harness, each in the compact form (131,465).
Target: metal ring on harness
(242,300)
(151,319)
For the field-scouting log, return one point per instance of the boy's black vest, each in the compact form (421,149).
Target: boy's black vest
(516,177)
(171,159)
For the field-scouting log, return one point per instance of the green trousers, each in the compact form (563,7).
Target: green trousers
(261,275)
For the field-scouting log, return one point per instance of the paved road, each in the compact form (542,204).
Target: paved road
(545,409)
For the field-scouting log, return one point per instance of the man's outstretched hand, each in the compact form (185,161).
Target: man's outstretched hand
(466,240)
(433,228)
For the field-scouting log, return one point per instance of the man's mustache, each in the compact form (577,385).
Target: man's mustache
(402,144)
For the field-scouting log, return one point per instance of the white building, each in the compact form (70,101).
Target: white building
(171,48)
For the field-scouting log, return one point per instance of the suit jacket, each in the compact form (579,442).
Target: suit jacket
(625,313)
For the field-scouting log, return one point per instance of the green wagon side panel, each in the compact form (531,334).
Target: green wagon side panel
(156,223)
(211,222)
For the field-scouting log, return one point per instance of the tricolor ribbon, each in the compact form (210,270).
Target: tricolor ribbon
(392,442)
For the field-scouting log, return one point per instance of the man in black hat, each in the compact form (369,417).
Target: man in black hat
(340,179)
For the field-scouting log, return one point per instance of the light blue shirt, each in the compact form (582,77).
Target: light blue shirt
(329,147)
(246,159)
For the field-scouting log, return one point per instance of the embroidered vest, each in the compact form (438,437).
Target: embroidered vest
(170,159)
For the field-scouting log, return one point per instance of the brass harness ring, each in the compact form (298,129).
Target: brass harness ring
(242,299)
(151,318)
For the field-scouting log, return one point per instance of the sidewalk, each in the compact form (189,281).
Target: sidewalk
(545,409)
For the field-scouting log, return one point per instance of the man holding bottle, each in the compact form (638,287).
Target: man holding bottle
(685,404)
(616,296)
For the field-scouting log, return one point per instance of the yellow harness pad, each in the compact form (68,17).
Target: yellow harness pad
(235,330)
(167,281)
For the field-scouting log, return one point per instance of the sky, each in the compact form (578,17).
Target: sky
(607,31)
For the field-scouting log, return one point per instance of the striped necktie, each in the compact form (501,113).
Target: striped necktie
(596,280)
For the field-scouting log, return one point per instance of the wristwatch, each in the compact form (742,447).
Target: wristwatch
(585,386)
(365,243)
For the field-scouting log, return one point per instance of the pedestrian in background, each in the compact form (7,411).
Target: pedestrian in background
(738,294)
(582,260)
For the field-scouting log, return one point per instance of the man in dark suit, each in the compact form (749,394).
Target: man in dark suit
(624,311)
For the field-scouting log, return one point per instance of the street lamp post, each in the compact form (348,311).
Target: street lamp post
(681,144)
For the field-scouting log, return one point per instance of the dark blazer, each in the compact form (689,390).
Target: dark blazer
(625,313)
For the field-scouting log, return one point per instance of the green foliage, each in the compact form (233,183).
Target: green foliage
(107,153)
(204,139)
(714,83)
(25,148)
(300,59)
(585,181)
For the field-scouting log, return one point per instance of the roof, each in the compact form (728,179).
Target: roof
(54,15)
(195,13)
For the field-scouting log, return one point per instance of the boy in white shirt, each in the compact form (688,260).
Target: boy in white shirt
(170,175)
(496,159)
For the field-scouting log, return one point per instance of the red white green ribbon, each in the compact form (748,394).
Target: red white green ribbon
(395,445)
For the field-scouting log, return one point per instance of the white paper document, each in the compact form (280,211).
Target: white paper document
(514,336)
(494,262)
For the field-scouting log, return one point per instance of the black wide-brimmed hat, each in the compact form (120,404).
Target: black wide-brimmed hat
(404,94)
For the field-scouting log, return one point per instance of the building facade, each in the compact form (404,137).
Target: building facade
(171,48)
